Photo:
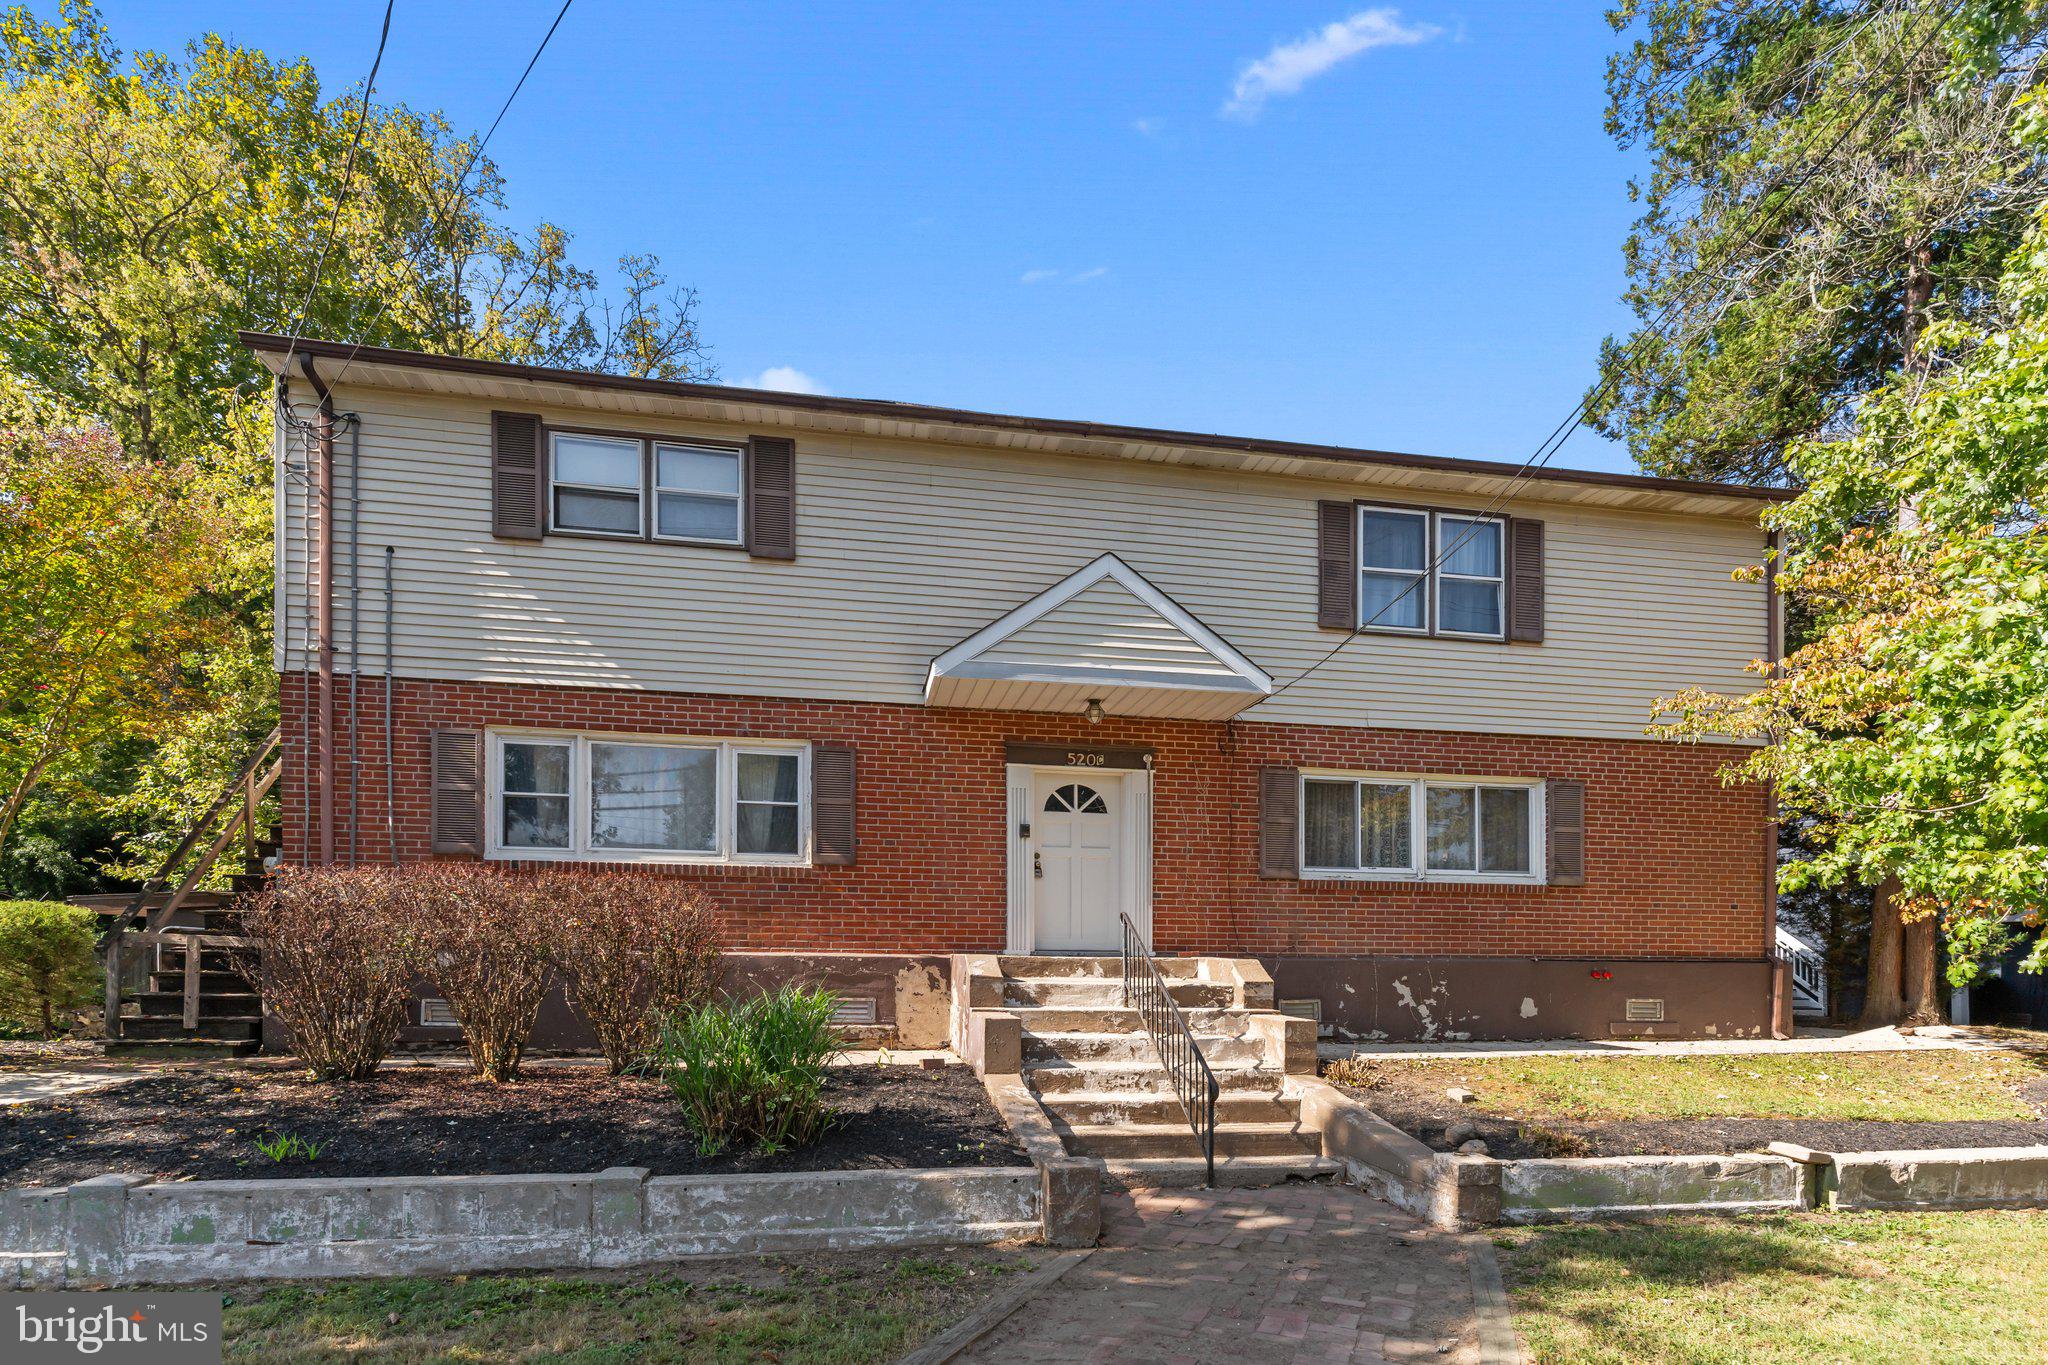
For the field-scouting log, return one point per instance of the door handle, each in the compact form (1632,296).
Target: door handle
(1037,867)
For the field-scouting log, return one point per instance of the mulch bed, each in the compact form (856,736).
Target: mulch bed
(1421,1110)
(438,1121)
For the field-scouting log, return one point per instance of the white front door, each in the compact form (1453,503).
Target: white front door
(1077,839)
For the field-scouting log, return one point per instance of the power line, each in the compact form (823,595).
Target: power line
(1559,434)
(455,192)
(341,195)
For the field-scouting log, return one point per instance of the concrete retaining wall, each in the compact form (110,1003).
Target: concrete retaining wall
(1602,1187)
(1956,1178)
(119,1229)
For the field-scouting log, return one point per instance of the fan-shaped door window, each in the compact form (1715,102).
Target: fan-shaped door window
(1078,798)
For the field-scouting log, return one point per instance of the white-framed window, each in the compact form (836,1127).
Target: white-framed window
(1432,573)
(594,484)
(631,798)
(1393,569)
(697,492)
(1471,580)
(1380,826)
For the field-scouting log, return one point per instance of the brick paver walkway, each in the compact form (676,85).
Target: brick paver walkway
(1298,1272)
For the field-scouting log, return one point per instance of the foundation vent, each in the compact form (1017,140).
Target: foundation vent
(1303,1009)
(438,1014)
(854,1009)
(1645,1012)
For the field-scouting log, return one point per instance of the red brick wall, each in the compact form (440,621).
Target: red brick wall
(1676,863)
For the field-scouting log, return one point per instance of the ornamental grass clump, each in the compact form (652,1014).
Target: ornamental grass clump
(752,1074)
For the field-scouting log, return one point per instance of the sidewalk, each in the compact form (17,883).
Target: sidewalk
(1945,1039)
(1299,1272)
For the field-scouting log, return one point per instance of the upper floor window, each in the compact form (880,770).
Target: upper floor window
(1429,829)
(647,800)
(1440,573)
(597,486)
(594,484)
(697,493)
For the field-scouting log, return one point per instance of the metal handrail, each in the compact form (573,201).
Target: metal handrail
(1194,1083)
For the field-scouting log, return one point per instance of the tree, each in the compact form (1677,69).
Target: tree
(1914,721)
(104,562)
(1826,177)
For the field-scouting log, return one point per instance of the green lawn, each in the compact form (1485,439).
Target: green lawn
(1794,1287)
(828,1308)
(1896,1086)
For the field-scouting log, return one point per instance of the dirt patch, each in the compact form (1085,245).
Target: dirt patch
(1417,1105)
(436,1121)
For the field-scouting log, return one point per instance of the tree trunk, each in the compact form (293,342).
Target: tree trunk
(1882,1001)
(1922,1003)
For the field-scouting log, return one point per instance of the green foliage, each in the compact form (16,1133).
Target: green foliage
(104,562)
(1914,722)
(46,962)
(283,1147)
(752,1073)
(1827,176)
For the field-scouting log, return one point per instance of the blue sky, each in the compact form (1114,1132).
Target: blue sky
(1392,228)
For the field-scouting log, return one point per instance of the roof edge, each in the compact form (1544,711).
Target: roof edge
(259,342)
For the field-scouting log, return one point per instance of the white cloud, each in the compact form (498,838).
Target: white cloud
(785,379)
(1150,127)
(1084,276)
(1037,276)
(1289,66)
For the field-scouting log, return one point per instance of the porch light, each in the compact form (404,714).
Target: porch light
(1094,711)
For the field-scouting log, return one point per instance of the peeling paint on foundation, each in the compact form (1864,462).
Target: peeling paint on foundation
(922,1007)
(1528,1007)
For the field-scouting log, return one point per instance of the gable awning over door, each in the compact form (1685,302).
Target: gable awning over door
(1102,634)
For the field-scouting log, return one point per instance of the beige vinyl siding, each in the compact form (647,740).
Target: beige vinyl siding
(903,550)
(1106,627)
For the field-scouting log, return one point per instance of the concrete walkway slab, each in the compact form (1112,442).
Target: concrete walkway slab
(1297,1272)
(1867,1040)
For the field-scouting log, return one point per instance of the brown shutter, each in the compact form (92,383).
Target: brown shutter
(771,497)
(518,484)
(833,780)
(1279,822)
(1525,580)
(1336,566)
(458,791)
(1565,806)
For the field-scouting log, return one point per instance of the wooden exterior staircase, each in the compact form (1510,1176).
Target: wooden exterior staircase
(196,998)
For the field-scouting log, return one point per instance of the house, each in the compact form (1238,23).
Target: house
(898,682)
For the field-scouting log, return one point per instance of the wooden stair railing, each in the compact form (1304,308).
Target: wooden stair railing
(237,805)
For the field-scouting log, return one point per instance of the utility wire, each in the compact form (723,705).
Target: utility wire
(341,196)
(435,224)
(1559,434)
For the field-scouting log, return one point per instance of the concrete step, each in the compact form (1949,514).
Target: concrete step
(1081,992)
(1135,1049)
(1236,1172)
(1132,1141)
(1045,1019)
(1162,1106)
(1064,1075)
(1110,967)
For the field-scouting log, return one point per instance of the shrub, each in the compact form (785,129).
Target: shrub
(752,1073)
(337,952)
(486,931)
(46,962)
(631,949)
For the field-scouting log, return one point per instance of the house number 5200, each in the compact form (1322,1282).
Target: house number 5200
(1077,759)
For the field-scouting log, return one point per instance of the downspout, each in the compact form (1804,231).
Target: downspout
(390,794)
(1774,653)
(355,596)
(322,519)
